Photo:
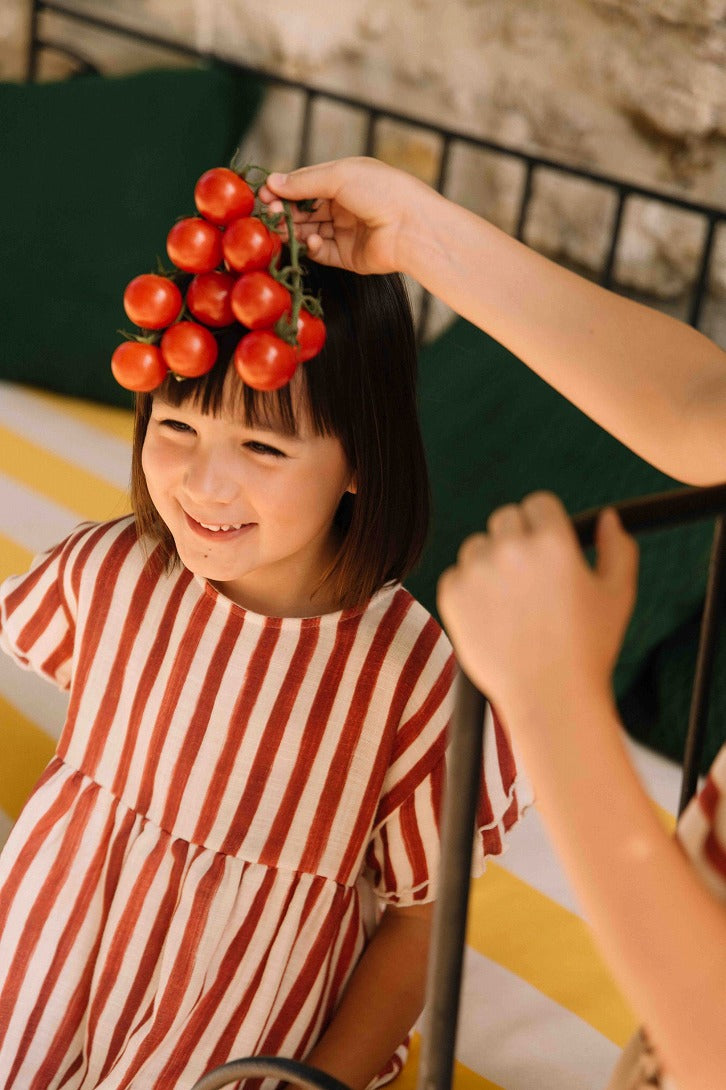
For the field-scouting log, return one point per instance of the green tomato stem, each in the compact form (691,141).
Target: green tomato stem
(291,276)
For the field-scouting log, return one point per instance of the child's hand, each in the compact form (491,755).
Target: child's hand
(530,620)
(364,208)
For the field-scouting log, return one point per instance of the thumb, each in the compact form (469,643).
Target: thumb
(617,552)
(313,182)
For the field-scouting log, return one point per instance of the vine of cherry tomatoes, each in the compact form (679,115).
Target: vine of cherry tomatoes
(226,270)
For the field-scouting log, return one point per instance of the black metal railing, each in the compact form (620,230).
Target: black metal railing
(622,189)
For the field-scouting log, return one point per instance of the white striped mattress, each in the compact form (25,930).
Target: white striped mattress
(539,1012)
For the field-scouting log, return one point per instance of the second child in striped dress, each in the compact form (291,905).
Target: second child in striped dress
(234,850)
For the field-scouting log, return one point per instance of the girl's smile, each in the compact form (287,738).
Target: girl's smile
(223,532)
(250,509)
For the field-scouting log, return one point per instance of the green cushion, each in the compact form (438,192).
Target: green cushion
(94,171)
(495,432)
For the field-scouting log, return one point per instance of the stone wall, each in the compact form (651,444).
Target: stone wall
(630,88)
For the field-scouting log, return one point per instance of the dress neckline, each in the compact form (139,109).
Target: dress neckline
(322,620)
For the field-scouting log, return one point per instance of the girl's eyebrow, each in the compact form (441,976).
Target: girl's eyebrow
(267,428)
(276,433)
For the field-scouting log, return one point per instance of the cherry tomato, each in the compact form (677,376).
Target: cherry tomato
(194,245)
(152,301)
(138,366)
(208,298)
(264,361)
(222,196)
(248,245)
(258,300)
(189,349)
(310,335)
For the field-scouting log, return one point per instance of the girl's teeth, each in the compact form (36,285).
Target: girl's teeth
(215,529)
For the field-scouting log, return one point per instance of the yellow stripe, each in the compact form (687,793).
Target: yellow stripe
(24,752)
(666,817)
(464,1078)
(13,558)
(87,495)
(532,936)
(114,421)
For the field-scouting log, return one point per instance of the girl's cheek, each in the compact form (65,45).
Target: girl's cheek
(149,460)
(157,458)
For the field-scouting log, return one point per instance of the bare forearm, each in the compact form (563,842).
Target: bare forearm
(606,354)
(662,933)
(381,1003)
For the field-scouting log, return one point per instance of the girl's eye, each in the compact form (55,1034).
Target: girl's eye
(263,448)
(176,425)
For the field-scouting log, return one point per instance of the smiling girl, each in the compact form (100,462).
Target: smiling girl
(235,848)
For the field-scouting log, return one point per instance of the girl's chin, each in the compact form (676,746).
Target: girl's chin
(210,568)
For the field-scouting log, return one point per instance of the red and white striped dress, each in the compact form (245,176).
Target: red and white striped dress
(232,799)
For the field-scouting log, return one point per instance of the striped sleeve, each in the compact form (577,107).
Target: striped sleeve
(38,614)
(404,850)
(702,828)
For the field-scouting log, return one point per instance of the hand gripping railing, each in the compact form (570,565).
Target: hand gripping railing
(449,927)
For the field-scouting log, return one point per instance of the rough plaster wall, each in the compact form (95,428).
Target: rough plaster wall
(632,88)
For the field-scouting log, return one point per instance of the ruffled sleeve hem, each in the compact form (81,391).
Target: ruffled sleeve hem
(404,854)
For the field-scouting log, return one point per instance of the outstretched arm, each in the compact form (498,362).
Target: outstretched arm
(539,632)
(655,383)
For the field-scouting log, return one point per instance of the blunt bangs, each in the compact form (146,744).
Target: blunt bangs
(361,389)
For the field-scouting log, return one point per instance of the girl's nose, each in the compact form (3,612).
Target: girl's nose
(209,477)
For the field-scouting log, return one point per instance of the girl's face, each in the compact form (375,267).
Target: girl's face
(250,508)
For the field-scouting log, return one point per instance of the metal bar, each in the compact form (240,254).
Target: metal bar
(439,185)
(606,278)
(85,67)
(449,924)
(31,67)
(272,1067)
(631,188)
(369,143)
(303,154)
(674,509)
(524,203)
(698,716)
(657,512)
(699,290)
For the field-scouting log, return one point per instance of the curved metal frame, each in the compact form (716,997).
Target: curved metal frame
(268,1067)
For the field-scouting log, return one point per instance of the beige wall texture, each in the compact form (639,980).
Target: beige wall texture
(631,88)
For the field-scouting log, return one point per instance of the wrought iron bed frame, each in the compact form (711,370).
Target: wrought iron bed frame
(639,515)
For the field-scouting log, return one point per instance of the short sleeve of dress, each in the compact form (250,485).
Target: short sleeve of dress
(403,853)
(38,613)
(702,828)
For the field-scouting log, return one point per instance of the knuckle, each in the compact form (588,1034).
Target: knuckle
(502,515)
(511,554)
(471,548)
(543,500)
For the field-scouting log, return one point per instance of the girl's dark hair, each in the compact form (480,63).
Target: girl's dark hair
(362,389)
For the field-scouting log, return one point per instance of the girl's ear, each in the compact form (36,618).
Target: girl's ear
(352,485)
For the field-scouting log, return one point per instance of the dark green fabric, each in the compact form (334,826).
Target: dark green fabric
(495,432)
(93,173)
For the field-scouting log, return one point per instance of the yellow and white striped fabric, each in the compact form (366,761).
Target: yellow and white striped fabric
(539,1011)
